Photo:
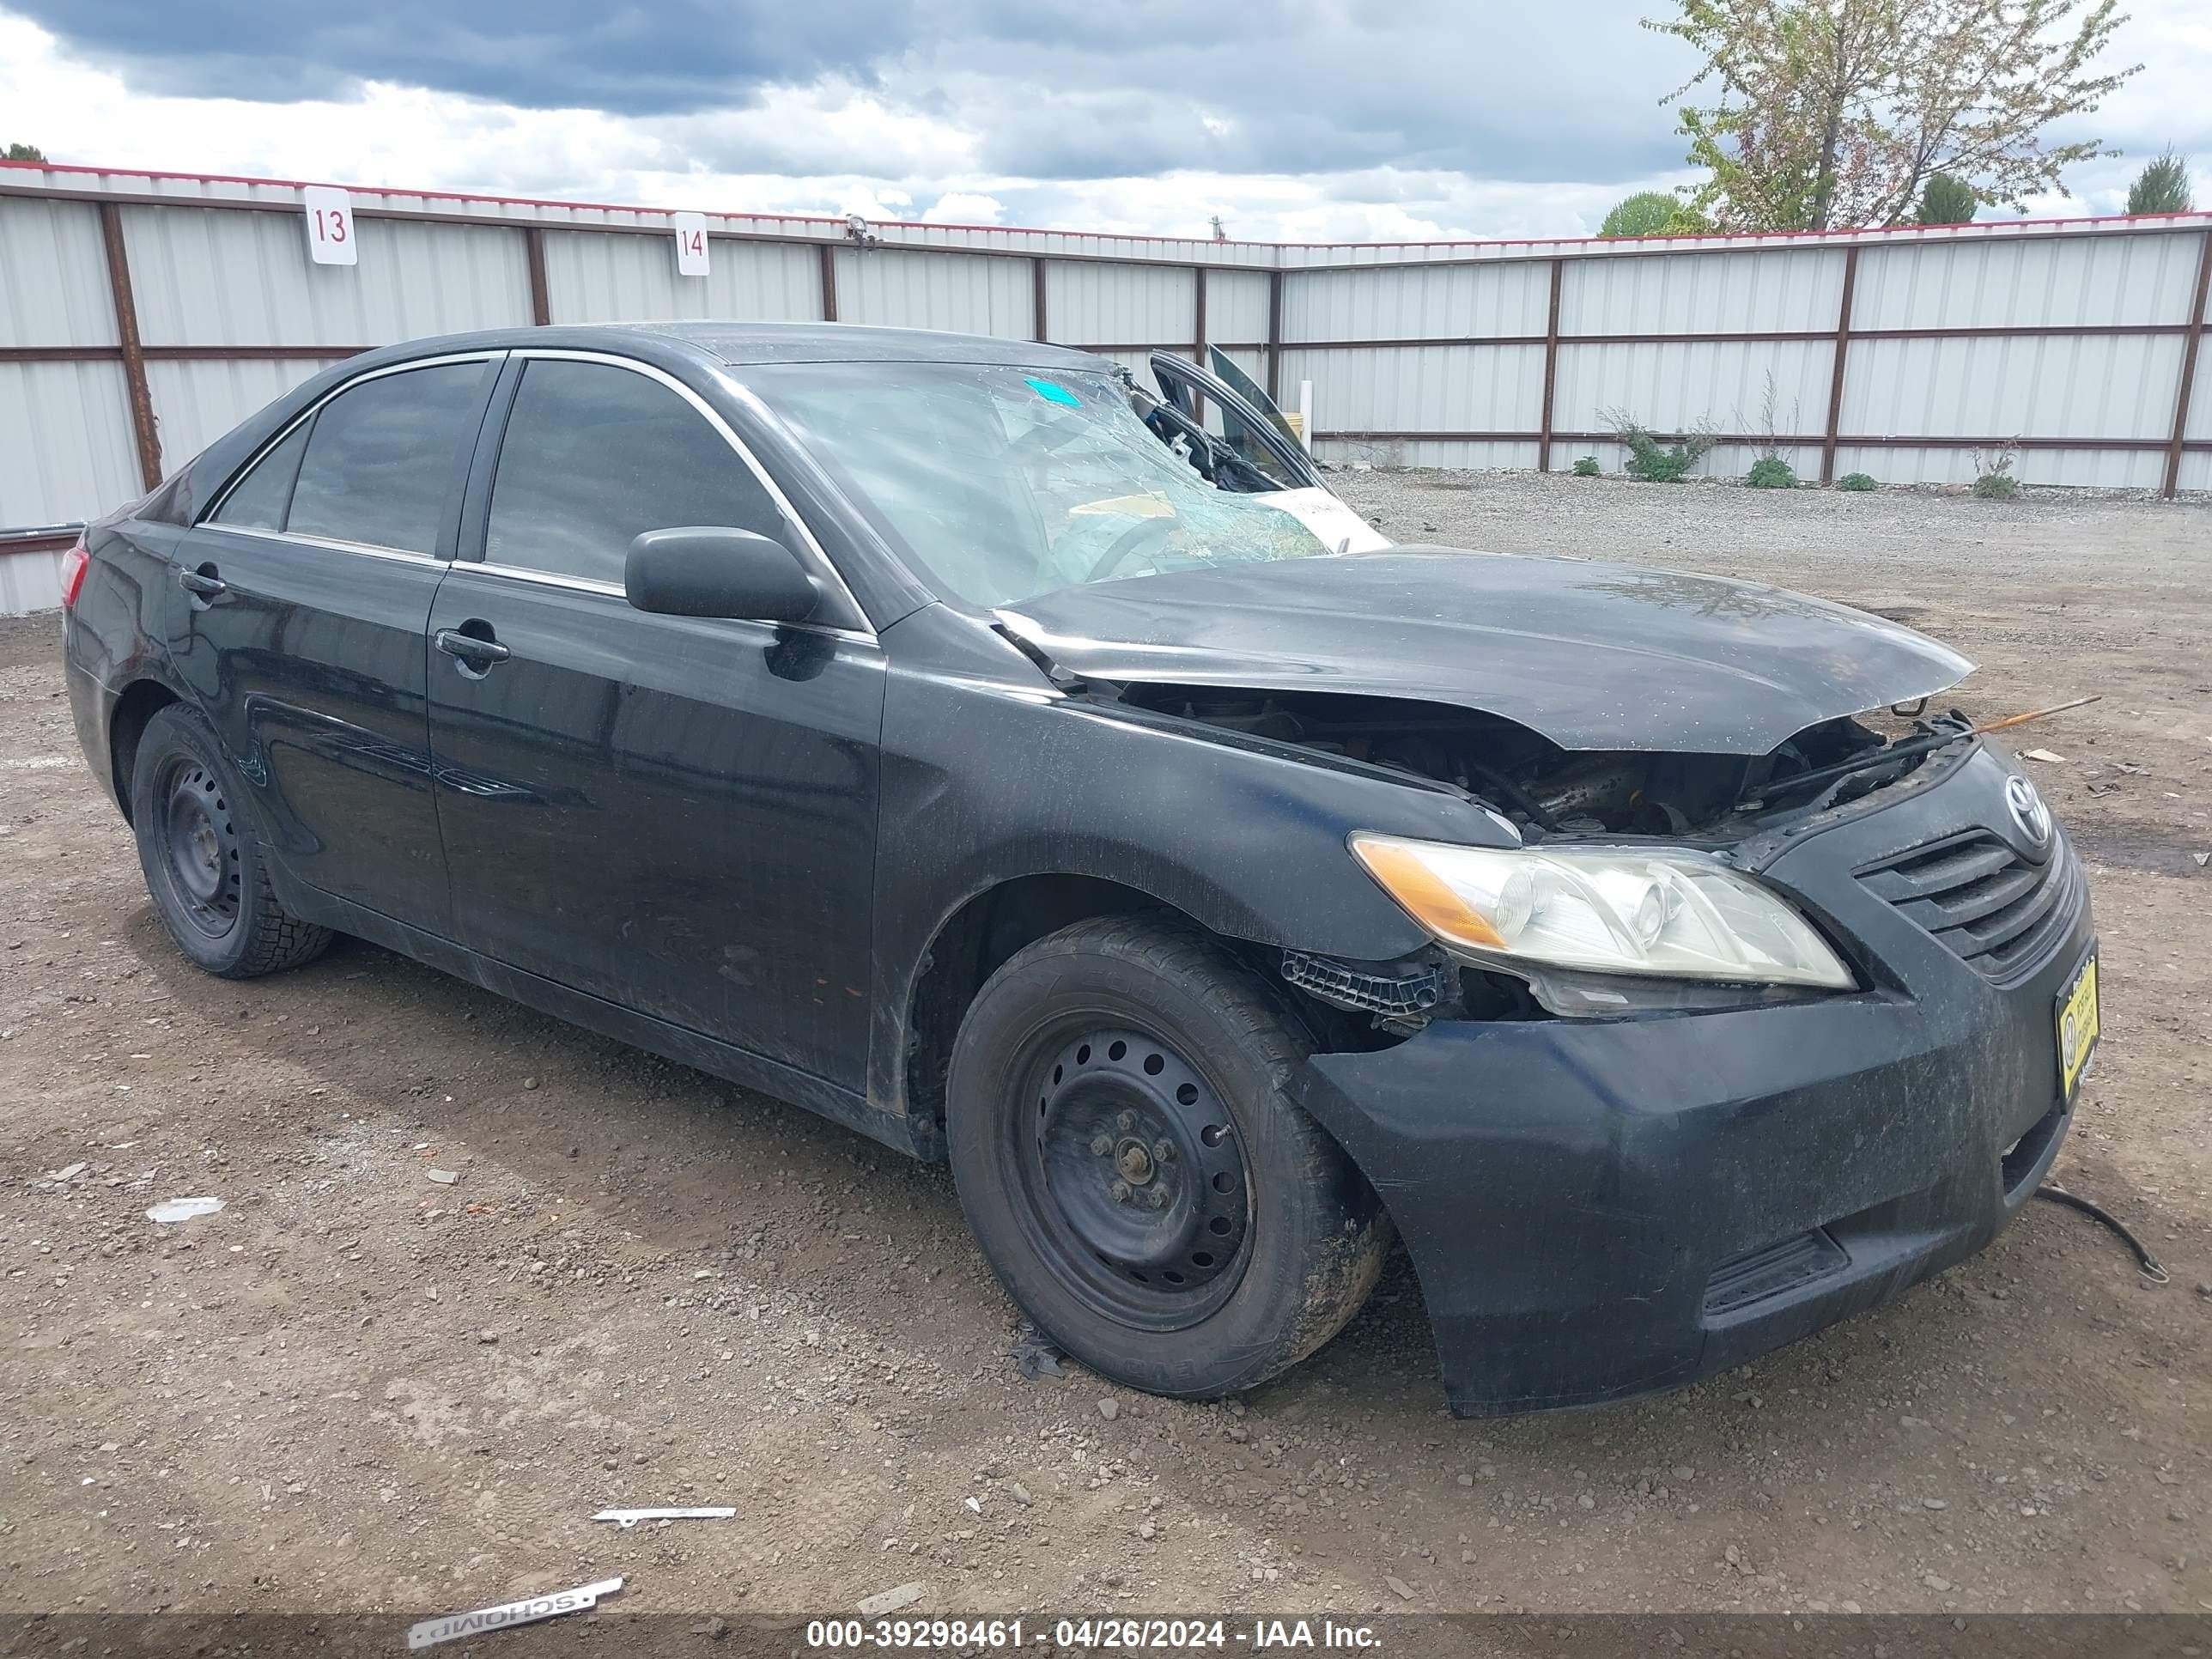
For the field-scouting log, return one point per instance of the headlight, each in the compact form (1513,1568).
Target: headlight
(1608,911)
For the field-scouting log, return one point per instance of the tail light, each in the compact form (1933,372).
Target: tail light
(75,563)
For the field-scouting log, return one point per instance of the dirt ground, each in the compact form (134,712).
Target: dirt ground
(358,1387)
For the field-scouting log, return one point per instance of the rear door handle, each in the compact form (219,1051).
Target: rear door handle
(203,581)
(469,648)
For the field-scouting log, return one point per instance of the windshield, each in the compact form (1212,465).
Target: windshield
(1002,483)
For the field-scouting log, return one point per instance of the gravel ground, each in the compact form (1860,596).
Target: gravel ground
(358,1387)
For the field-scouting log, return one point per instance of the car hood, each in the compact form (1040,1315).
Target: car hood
(1592,656)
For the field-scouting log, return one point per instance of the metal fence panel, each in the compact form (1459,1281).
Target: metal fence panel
(2101,283)
(2091,469)
(2068,334)
(195,403)
(1123,305)
(1237,304)
(600,278)
(1418,304)
(203,276)
(2012,386)
(1736,290)
(1674,385)
(53,276)
(66,449)
(1420,388)
(969,295)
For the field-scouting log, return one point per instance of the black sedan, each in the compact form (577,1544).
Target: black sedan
(1031,771)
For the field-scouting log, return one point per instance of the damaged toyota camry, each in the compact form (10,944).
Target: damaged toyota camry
(1044,773)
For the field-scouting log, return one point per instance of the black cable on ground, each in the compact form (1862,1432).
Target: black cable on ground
(2147,1262)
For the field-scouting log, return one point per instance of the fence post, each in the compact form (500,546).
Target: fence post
(541,294)
(2189,355)
(134,353)
(1197,333)
(828,251)
(1275,336)
(1551,366)
(1038,328)
(1836,371)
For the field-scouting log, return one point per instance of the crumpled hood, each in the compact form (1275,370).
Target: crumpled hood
(1593,656)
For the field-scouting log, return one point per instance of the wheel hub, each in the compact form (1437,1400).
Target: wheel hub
(1141,1161)
(200,843)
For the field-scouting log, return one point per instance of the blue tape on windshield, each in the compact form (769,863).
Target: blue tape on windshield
(1053,393)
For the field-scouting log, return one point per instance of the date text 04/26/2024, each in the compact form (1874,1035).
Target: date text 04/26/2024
(1166,1635)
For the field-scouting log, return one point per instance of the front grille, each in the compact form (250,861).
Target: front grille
(1988,905)
(1772,1269)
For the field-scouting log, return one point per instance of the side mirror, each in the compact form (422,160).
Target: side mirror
(706,571)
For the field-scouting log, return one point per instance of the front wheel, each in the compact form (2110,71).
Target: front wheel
(1127,1151)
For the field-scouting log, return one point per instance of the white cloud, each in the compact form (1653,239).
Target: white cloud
(893,150)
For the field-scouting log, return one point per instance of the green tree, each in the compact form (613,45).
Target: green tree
(1945,201)
(1836,112)
(2161,187)
(25,153)
(1654,213)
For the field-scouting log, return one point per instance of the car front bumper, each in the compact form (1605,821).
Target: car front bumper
(1599,1208)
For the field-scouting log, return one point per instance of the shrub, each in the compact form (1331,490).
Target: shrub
(2162,187)
(1654,213)
(1771,472)
(1946,201)
(1587,467)
(1993,479)
(1652,461)
(1855,480)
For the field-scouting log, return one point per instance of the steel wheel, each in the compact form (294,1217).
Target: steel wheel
(197,838)
(1135,1181)
(1121,1135)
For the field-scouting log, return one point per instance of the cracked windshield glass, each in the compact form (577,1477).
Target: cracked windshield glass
(1003,484)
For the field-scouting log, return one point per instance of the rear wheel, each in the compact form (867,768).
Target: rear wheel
(202,859)
(1130,1161)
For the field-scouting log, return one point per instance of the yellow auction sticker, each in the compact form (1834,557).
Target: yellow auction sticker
(2077,1027)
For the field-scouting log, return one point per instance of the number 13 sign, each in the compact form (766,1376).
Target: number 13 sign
(330,226)
(691,243)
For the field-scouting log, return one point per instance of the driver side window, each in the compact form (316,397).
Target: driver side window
(595,455)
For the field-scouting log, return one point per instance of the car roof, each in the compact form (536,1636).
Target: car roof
(737,344)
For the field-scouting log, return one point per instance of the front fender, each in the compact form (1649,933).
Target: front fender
(990,777)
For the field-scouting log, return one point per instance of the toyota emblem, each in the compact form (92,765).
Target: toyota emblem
(2027,810)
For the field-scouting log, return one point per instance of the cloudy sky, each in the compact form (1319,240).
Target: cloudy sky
(1318,121)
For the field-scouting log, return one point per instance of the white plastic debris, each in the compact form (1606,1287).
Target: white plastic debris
(2045,757)
(627,1518)
(890,1600)
(453,1626)
(443,1177)
(183,1209)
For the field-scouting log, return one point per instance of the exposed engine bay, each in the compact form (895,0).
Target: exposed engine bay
(1546,790)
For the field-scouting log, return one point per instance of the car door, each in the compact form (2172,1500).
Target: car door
(675,814)
(1254,427)
(299,623)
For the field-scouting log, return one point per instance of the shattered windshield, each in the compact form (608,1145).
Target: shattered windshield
(1003,484)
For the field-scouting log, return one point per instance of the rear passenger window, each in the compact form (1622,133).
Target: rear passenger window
(382,459)
(259,499)
(594,456)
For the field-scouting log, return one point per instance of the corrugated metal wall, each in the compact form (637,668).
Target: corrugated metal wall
(2072,338)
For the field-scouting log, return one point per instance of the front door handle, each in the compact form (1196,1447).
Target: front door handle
(204,582)
(479,652)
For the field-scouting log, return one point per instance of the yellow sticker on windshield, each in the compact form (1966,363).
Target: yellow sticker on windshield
(1127,507)
(1053,393)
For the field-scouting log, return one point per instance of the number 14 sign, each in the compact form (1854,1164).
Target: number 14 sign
(330,226)
(691,243)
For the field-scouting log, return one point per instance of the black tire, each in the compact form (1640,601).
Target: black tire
(202,855)
(1079,1057)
